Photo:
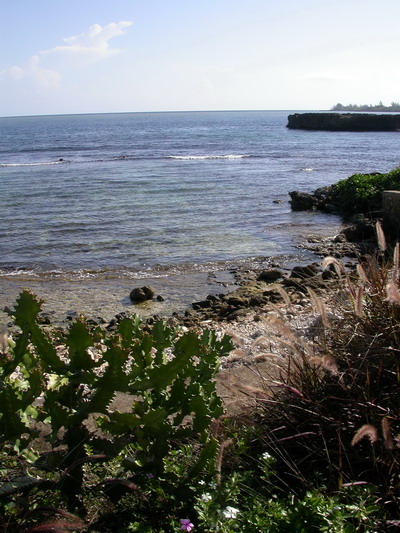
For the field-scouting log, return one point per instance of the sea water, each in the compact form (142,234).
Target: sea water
(110,198)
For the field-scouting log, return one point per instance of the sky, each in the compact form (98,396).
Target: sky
(95,56)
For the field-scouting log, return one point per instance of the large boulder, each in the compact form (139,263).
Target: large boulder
(302,201)
(306,271)
(141,294)
(269,276)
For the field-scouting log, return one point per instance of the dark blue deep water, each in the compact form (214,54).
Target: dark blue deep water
(111,195)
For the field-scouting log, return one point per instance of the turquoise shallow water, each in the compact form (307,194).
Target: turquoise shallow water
(135,196)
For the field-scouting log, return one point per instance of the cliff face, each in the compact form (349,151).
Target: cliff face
(344,122)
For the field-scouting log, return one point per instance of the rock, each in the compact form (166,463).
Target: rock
(238,313)
(141,294)
(203,304)
(160,298)
(236,302)
(329,274)
(44,318)
(302,201)
(294,283)
(323,199)
(270,275)
(273,296)
(359,231)
(304,271)
(340,238)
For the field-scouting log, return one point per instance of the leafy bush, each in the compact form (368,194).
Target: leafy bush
(59,414)
(363,192)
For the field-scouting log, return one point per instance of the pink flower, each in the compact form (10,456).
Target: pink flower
(186,524)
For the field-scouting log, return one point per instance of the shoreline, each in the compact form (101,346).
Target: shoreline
(101,300)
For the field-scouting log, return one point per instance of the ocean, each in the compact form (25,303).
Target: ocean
(92,205)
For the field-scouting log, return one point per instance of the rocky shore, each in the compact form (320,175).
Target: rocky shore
(248,313)
(254,290)
(344,121)
(259,294)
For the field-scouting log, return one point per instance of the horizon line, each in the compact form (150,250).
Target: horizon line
(155,112)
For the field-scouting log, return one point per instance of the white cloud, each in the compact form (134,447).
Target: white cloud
(41,78)
(92,43)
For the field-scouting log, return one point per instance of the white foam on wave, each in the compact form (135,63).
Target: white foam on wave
(200,157)
(38,164)
(17,272)
(307,169)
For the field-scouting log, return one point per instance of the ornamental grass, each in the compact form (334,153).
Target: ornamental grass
(333,419)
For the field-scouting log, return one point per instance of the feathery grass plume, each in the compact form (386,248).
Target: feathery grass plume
(380,237)
(260,341)
(280,326)
(289,388)
(387,434)
(60,521)
(289,337)
(235,338)
(352,289)
(396,258)
(392,292)
(318,306)
(337,265)
(236,355)
(358,303)
(218,461)
(265,356)
(367,430)
(315,360)
(285,296)
(361,273)
(249,389)
(329,363)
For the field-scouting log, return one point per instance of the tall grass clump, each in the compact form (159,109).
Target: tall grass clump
(334,420)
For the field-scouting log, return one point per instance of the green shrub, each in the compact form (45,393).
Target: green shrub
(363,192)
(58,413)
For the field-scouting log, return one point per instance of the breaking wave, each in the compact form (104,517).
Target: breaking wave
(36,164)
(200,157)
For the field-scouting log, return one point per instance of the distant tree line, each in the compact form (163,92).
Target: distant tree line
(393,107)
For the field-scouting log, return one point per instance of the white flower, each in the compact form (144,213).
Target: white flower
(230,512)
(206,497)
(266,456)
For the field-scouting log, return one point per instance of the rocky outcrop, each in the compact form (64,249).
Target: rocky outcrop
(344,122)
(323,199)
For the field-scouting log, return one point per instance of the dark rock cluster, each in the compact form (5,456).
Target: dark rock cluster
(323,199)
(257,294)
(344,121)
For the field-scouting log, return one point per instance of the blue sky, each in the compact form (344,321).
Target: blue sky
(81,56)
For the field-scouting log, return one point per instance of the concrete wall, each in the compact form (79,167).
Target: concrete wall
(391,212)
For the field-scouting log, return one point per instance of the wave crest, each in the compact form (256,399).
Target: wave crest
(201,157)
(37,164)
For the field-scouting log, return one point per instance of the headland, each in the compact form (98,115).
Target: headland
(344,121)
